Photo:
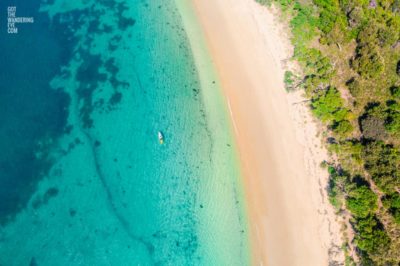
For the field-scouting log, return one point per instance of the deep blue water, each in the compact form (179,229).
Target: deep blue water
(31,113)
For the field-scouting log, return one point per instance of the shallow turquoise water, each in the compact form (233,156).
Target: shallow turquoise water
(110,194)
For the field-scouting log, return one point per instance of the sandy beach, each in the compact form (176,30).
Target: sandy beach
(291,221)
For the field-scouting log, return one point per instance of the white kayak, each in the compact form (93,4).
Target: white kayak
(160,137)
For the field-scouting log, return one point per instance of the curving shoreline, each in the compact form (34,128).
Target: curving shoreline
(112,194)
(291,221)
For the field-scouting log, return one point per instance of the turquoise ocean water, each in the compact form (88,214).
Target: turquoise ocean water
(84,91)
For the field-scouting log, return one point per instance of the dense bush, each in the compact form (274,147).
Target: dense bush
(393,117)
(369,63)
(392,203)
(342,128)
(336,189)
(393,122)
(303,24)
(361,201)
(328,105)
(355,87)
(382,161)
(359,40)
(395,91)
(288,80)
(371,236)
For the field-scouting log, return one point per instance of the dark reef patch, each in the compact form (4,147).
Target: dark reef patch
(50,193)
(72,212)
(124,23)
(33,262)
(39,201)
(88,75)
(113,70)
(115,98)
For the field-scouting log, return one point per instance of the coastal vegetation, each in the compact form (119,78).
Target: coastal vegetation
(349,56)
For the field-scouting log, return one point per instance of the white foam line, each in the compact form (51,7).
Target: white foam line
(233,120)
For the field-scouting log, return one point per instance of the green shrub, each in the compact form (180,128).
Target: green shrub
(303,24)
(396,216)
(336,188)
(369,63)
(393,123)
(395,91)
(361,201)
(326,105)
(288,80)
(329,15)
(393,118)
(392,203)
(382,161)
(342,128)
(370,235)
(350,152)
